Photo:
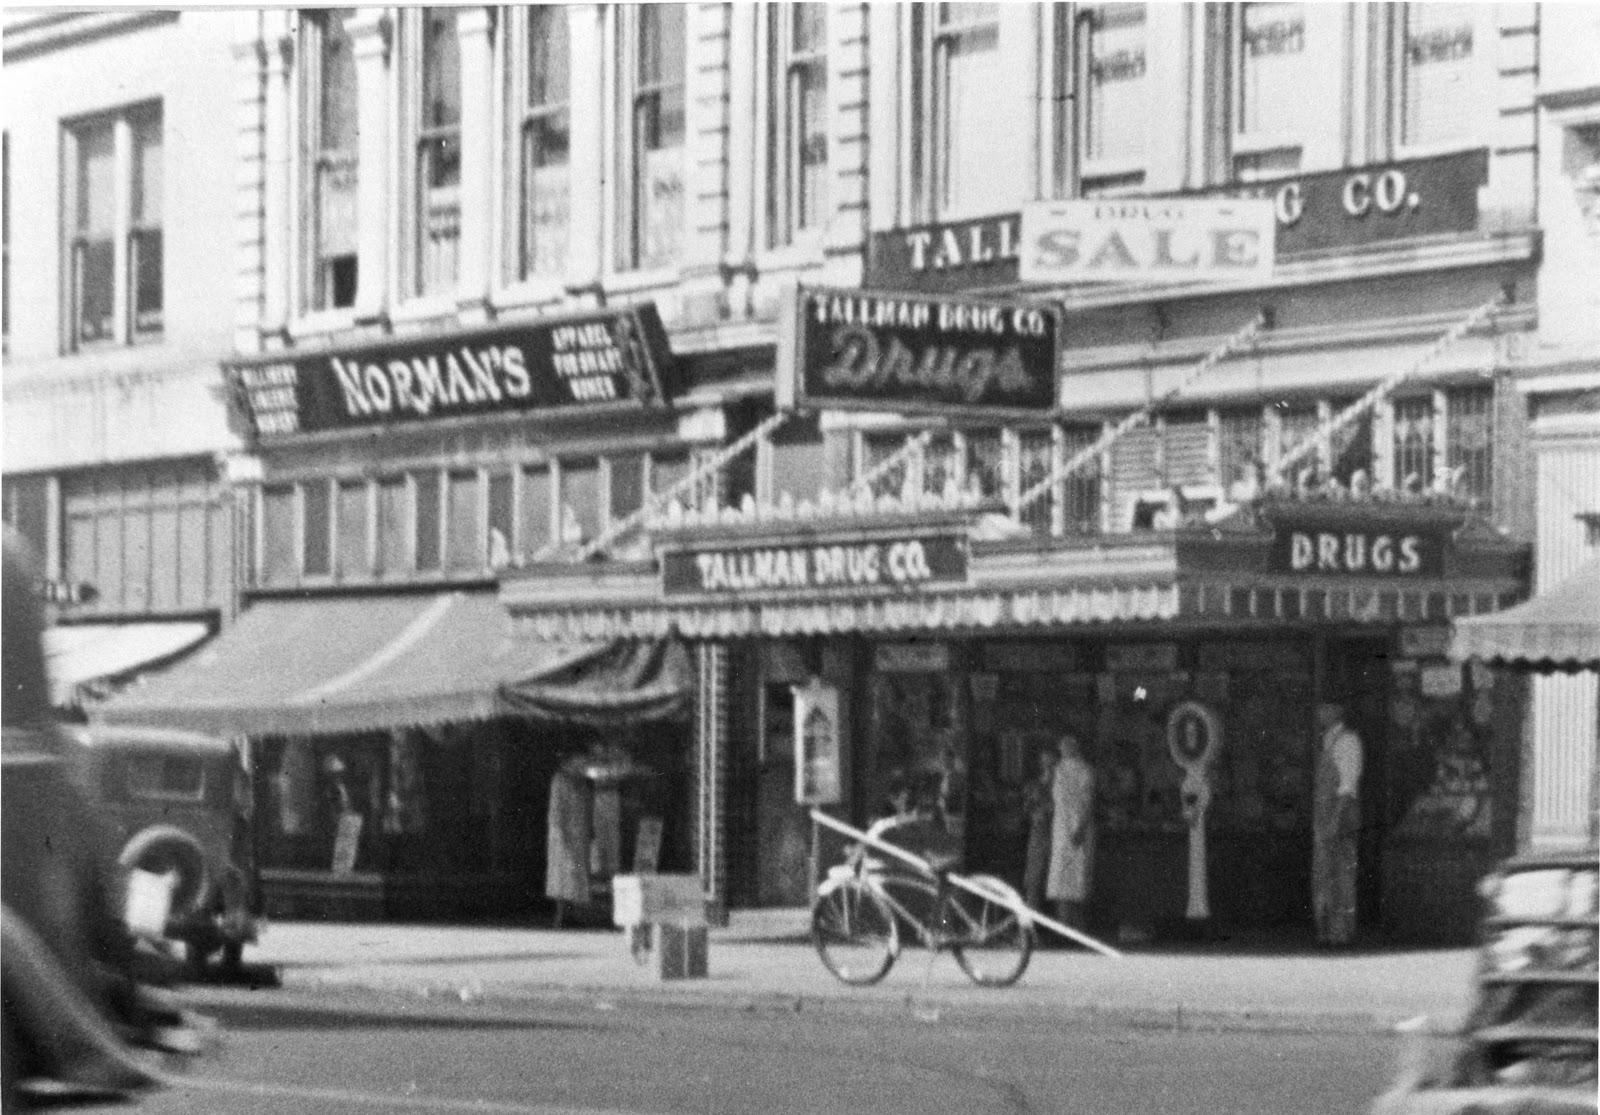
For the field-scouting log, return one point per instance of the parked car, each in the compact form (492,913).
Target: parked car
(1529,1042)
(178,804)
(71,1008)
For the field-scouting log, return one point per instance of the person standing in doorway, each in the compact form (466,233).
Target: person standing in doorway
(1336,823)
(1071,832)
(1037,811)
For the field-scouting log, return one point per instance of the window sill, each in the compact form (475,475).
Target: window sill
(791,257)
(426,307)
(533,294)
(1409,151)
(320,322)
(629,282)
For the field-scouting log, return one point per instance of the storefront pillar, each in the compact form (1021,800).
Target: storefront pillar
(711,766)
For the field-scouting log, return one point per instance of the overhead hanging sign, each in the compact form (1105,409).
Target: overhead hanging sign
(1134,239)
(613,357)
(1356,550)
(869,350)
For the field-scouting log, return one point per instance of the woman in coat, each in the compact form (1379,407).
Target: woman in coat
(1071,833)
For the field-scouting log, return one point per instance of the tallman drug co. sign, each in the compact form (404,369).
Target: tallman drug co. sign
(875,350)
(814,568)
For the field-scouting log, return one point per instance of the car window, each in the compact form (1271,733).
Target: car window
(166,778)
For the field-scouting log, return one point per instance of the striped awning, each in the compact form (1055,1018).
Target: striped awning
(1558,629)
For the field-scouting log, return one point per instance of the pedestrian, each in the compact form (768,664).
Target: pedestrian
(1037,811)
(1072,793)
(1336,823)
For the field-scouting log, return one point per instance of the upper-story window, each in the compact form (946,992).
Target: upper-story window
(545,142)
(797,120)
(1114,117)
(1437,83)
(113,214)
(652,200)
(332,161)
(971,131)
(437,214)
(1287,82)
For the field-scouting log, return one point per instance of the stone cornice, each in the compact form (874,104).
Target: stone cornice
(32,36)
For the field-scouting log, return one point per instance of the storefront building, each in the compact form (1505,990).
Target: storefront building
(118,453)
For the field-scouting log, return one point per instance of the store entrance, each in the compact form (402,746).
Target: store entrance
(1357,676)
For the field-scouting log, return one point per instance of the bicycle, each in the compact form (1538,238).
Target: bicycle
(861,906)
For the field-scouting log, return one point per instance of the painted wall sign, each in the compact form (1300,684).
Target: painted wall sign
(879,351)
(1349,208)
(614,356)
(1128,239)
(1342,551)
(815,568)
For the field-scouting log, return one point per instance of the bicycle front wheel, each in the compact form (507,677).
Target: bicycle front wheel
(991,939)
(855,933)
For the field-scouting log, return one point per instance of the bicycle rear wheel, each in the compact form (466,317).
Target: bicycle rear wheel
(991,940)
(855,933)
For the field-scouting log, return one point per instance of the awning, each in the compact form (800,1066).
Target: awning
(328,665)
(602,683)
(85,652)
(1558,629)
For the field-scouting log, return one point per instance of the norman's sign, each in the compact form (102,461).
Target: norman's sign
(811,568)
(615,357)
(877,351)
(1342,551)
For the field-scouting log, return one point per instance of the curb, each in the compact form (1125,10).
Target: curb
(925,1008)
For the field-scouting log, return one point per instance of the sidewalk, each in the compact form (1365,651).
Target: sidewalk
(762,964)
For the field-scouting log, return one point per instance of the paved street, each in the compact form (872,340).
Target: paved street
(354,1051)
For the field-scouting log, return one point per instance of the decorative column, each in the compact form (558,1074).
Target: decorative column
(475,30)
(278,242)
(371,36)
(711,764)
(589,180)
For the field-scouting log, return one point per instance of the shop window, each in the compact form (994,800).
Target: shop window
(580,502)
(1469,442)
(114,230)
(501,515)
(536,511)
(545,142)
(986,462)
(1035,459)
(941,463)
(436,215)
(1350,453)
(426,552)
(667,470)
(1413,443)
(351,522)
(317,523)
(797,119)
(1081,490)
(332,159)
(653,201)
(1295,422)
(464,532)
(27,510)
(1439,100)
(1114,119)
(280,558)
(1238,448)
(876,448)
(394,525)
(968,132)
(627,485)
